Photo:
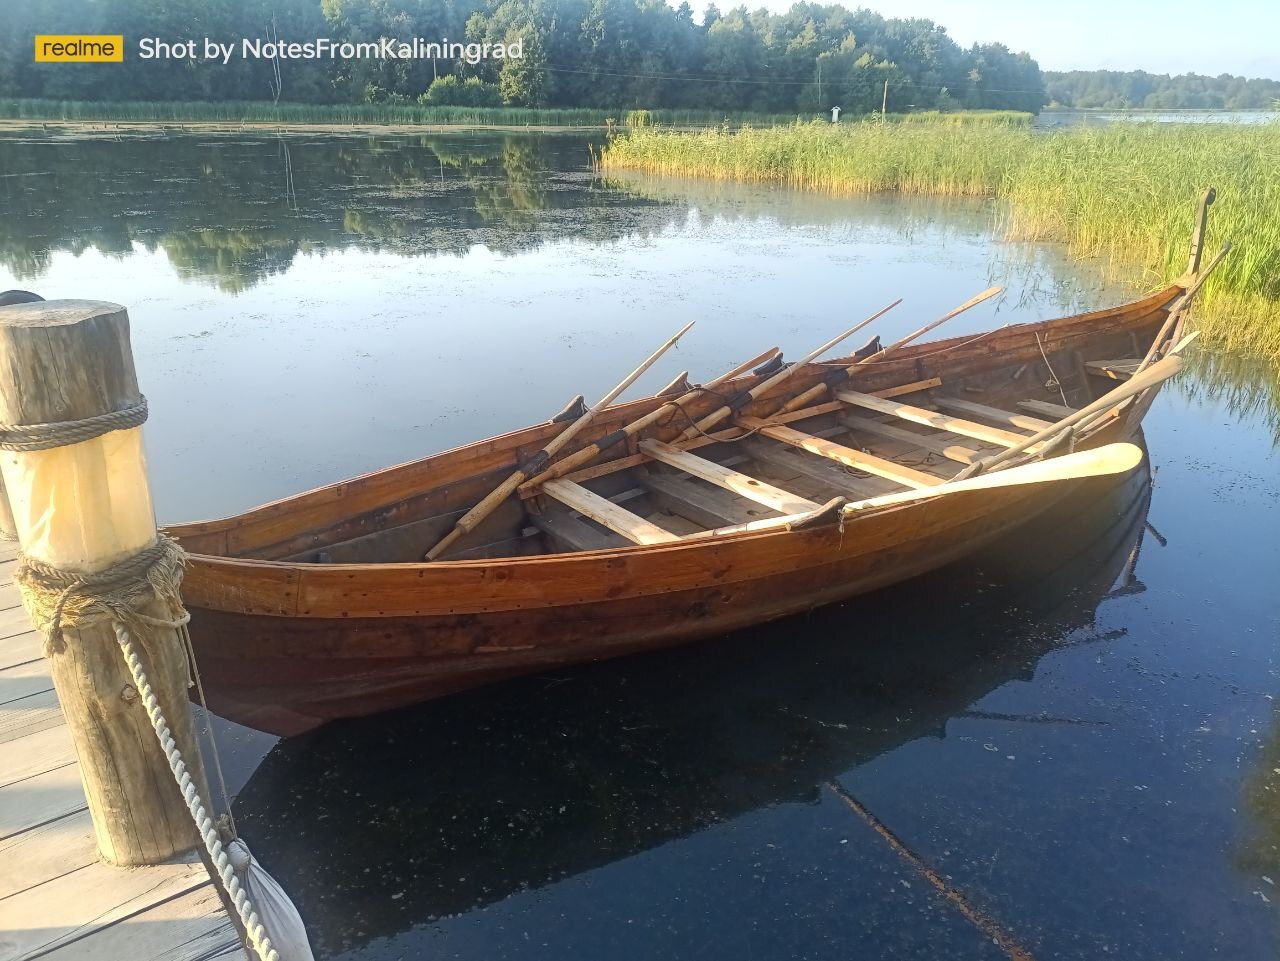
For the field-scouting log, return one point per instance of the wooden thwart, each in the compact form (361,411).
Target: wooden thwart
(1056,411)
(749,487)
(606,513)
(730,433)
(1009,417)
(906,476)
(702,503)
(1121,369)
(929,418)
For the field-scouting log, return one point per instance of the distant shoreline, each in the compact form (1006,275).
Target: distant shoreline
(109,127)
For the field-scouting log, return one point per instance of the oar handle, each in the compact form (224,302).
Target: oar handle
(592,451)
(817,390)
(1157,373)
(469,520)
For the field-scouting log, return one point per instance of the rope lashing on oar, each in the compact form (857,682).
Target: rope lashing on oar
(32,437)
(58,599)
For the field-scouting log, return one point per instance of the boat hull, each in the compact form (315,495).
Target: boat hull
(287,675)
(287,639)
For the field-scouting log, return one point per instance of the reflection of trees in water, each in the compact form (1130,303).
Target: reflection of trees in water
(469,799)
(1248,385)
(234,210)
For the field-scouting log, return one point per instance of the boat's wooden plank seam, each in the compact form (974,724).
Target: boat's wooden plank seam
(929,418)
(960,453)
(1011,418)
(741,484)
(880,466)
(575,534)
(835,478)
(606,513)
(1056,411)
(703,504)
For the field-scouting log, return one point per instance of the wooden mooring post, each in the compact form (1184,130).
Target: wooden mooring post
(82,507)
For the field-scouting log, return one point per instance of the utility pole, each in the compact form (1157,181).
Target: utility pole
(819,80)
(884,101)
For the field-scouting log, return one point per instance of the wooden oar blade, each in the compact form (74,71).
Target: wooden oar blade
(1110,459)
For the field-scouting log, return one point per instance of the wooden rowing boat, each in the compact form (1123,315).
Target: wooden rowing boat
(320,606)
(725,728)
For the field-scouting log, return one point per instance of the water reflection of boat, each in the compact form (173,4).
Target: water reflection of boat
(471,799)
(317,607)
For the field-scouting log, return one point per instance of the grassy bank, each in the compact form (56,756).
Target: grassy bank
(1125,192)
(236,111)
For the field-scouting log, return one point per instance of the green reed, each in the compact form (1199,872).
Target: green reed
(1125,193)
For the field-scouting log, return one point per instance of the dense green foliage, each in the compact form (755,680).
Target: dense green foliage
(607,54)
(1114,90)
(1124,192)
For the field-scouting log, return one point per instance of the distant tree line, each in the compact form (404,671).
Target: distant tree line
(577,53)
(1116,90)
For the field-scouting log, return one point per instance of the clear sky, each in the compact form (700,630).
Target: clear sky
(1239,37)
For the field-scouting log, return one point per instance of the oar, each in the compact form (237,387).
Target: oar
(1157,373)
(839,376)
(1098,462)
(745,397)
(1179,308)
(468,521)
(592,451)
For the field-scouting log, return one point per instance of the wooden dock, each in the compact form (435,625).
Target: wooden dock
(57,899)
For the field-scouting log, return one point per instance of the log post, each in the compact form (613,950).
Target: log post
(1197,235)
(83,508)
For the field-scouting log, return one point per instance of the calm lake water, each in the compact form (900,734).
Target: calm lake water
(1092,118)
(1076,730)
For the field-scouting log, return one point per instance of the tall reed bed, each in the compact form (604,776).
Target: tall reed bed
(1126,192)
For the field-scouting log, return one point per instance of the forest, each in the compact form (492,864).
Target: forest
(1137,89)
(615,54)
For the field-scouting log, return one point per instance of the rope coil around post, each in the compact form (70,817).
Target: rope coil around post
(32,437)
(58,599)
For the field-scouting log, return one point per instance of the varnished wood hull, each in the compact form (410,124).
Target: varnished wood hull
(286,646)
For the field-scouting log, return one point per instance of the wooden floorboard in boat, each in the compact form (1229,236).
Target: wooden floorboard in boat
(744,485)
(1006,417)
(938,421)
(960,453)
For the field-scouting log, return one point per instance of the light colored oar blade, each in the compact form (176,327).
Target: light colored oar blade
(1111,459)
(1116,458)
(716,416)
(949,315)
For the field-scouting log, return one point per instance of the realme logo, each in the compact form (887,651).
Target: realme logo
(79,49)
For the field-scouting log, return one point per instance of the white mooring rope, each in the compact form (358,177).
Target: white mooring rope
(258,937)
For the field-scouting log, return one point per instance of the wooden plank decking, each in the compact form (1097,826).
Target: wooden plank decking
(57,899)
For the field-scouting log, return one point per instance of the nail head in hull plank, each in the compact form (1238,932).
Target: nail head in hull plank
(749,487)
